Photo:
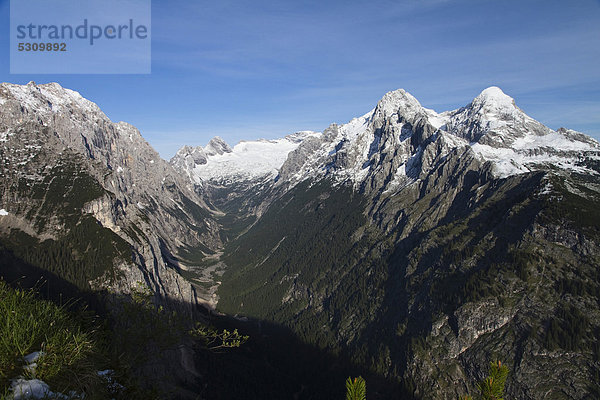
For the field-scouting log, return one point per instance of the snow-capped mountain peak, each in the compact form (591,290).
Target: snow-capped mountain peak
(398,101)
(399,141)
(494,98)
(493,119)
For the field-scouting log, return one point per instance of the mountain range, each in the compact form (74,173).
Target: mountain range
(416,245)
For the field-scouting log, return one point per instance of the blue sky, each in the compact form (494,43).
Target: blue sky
(251,69)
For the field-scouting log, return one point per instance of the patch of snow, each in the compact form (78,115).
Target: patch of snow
(31,361)
(108,376)
(509,162)
(105,372)
(49,97)
(356,126)
(22,388)
(551,140)
(400,179)
(3,212)
(59,95)
(435,119)
(547,189)
(397,100)
(496,96)
(248,159)
(216,146)
(574,190)
(151,161)
(453,141)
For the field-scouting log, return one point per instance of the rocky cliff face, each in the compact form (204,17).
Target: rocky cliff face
(59,149)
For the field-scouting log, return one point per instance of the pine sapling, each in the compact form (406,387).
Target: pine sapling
(356,389)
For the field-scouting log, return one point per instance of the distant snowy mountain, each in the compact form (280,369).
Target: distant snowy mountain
(498,131)
(247,160)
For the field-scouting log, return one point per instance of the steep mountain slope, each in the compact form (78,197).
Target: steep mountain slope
(426,244)
(89,199)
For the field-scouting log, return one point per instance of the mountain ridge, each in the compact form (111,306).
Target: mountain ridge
(491,125)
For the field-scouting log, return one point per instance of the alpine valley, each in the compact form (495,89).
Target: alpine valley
(407,246)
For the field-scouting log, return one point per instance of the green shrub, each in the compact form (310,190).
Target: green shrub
(215,340)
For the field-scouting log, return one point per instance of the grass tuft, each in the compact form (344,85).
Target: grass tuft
(70,349)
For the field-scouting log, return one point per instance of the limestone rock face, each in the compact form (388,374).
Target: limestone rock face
(132,191)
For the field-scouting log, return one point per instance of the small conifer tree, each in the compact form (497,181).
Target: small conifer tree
(356,389)
(492,387)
